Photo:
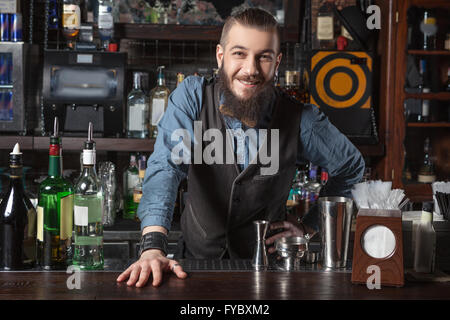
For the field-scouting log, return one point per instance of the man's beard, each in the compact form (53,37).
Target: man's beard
(248,110)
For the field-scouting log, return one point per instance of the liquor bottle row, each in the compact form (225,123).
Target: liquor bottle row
(11,27)
(63,209)
(74,28)
(424,29)
(144,112)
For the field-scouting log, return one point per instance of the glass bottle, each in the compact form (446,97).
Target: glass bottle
(137,191)
(105,22)
(55,212)
(325,35)
(426,172)
(88,211)
(429,28)
(292,79)
(71,21)
(313,186)
(137,110)
(130,180)
(17,221)
(159,96)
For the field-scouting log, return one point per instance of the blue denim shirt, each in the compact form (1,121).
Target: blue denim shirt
(319,142)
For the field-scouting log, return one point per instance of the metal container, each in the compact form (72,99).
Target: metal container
(336,219)
(291,247)
(260,260)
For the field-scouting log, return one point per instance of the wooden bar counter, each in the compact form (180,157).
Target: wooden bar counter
(211,285)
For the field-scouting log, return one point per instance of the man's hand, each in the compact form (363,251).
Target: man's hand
(151,262)
(291,230)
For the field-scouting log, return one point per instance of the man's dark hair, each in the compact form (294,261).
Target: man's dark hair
(251,17)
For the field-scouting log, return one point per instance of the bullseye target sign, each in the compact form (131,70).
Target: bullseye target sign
(341,86)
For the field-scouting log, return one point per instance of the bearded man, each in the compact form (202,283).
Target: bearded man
(225,198)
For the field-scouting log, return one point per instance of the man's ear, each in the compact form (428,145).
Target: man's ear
(277,64)
(219,55)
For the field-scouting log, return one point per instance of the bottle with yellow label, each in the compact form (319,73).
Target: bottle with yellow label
(71,21)
(137,192)
(429,29)
(55,213)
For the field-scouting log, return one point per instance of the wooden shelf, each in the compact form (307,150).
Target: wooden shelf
(418,192)
(149,31)
(429,124)
(429,52)
(123,144)
(429,96)
(76,143)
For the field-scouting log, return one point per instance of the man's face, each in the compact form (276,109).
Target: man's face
(250,59)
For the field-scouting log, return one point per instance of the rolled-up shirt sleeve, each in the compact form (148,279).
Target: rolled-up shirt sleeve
(163,175)
(324,145)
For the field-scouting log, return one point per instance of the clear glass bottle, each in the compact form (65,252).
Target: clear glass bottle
(426,173)
(429,29)
(17,221)
(137,191)
(71,21)
(55,212)
(137,110)
(159,96)
(105,22)
(130,180)
(88,211)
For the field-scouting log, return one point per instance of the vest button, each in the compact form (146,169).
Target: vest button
(237,200)
(239,183)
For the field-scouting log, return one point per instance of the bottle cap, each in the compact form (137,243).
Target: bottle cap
(112,47)
(15,157)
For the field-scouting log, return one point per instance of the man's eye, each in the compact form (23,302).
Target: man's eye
(238,53)
(266,58)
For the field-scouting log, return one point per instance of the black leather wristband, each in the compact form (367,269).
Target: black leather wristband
(153,240)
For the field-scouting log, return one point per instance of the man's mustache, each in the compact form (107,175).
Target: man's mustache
(257,79)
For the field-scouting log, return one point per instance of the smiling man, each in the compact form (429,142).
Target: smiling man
(225,198)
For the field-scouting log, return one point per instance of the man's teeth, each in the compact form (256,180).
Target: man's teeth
(248,82)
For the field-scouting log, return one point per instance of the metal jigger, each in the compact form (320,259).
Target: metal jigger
(260,260)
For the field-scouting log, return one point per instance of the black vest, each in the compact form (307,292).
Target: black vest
(223,202)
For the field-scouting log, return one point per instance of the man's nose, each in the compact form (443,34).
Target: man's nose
(251,67)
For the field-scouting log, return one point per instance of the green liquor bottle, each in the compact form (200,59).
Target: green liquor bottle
(55,212)
(88,211)
(17,221)
(130,179)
